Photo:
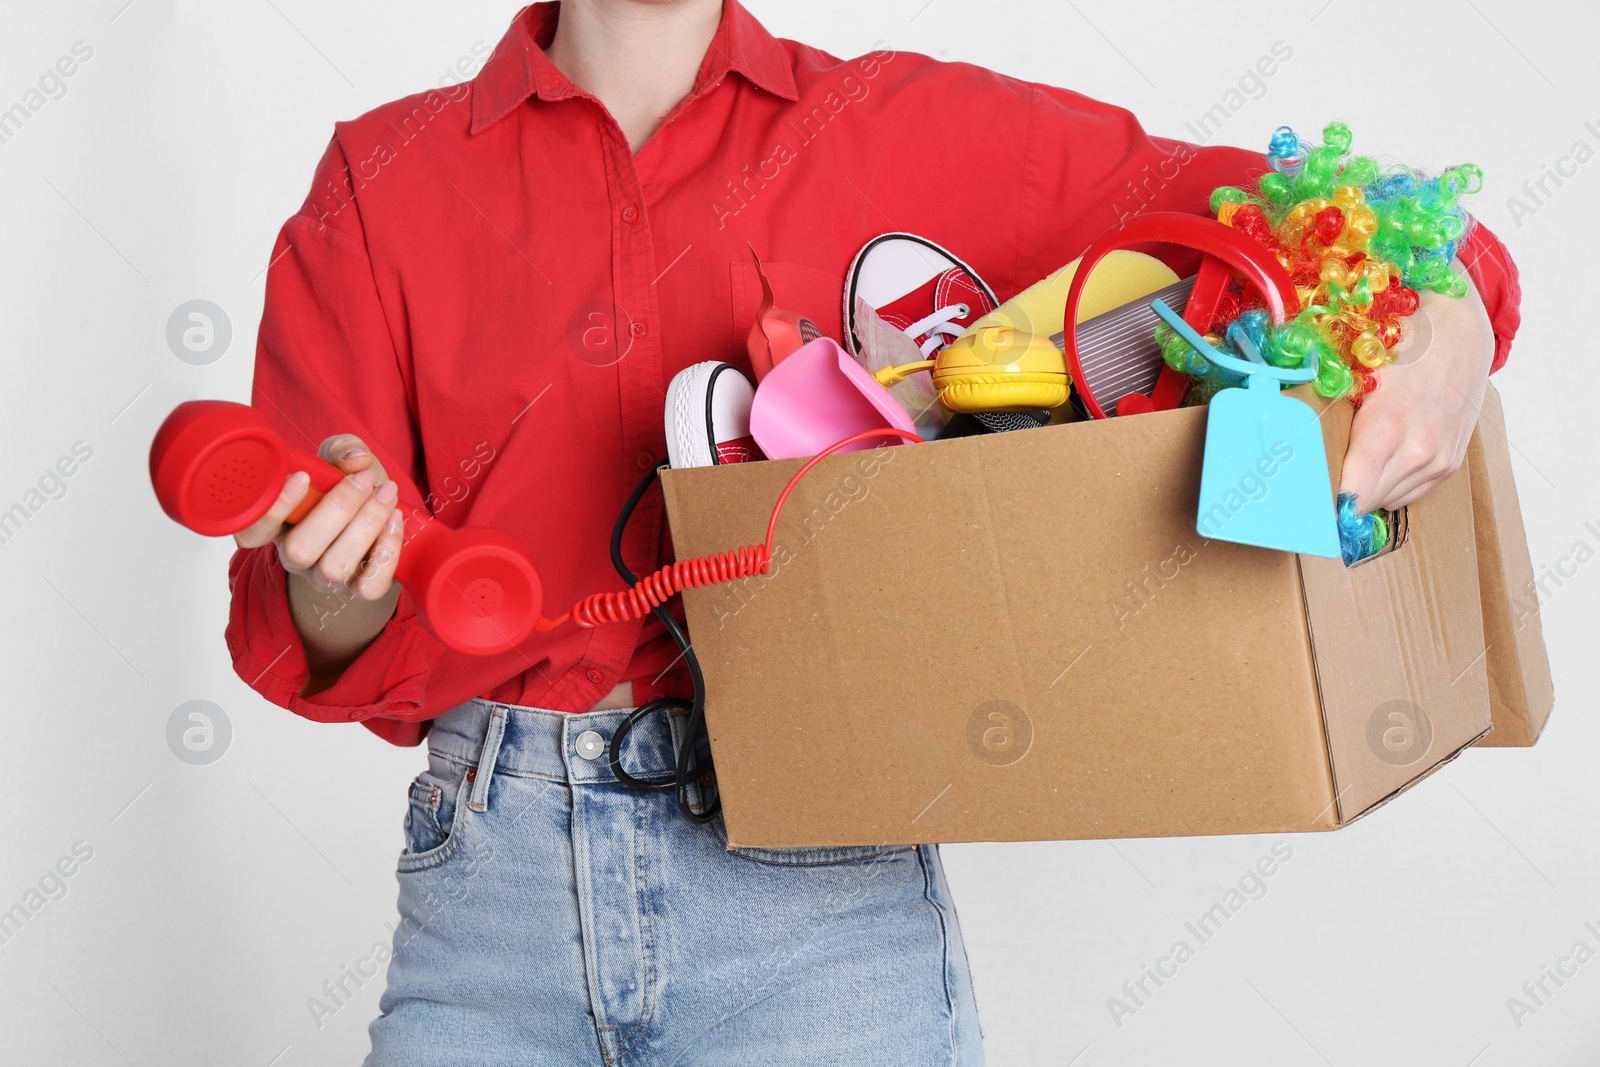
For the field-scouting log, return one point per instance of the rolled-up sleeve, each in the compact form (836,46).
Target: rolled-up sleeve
(1494,272)
(327,362)
(1097,159)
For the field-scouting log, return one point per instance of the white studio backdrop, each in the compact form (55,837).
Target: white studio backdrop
(210,904)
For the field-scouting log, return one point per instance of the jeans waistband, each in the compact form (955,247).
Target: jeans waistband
(559,745)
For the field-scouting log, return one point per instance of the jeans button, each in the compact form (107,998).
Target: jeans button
(591,746)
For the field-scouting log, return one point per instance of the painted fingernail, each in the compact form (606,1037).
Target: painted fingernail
(388,492)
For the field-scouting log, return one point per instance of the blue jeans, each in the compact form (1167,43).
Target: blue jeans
(550,915)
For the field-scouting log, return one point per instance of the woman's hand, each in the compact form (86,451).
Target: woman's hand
(340,557)
(1410,434)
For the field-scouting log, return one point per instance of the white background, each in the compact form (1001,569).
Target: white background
(219,898)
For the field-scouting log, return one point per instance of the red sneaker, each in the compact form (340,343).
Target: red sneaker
(918,288)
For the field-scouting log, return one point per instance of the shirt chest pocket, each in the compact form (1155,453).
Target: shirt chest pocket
(813,293)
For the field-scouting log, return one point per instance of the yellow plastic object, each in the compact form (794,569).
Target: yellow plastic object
(996,369)
(1122,276)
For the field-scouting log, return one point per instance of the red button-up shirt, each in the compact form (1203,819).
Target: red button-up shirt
(492,290)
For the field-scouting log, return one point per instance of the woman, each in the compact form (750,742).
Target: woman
(483,300)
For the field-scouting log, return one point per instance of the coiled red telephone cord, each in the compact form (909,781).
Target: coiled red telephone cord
(746,562)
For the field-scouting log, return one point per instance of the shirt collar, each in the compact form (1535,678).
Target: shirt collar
(519,67)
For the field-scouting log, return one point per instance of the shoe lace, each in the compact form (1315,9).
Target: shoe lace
(939,328)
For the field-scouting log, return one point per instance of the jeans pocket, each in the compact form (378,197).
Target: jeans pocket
(433,816)
(825,856)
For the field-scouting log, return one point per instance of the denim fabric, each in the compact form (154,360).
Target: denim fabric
(550,915)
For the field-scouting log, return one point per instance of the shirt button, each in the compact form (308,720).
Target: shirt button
(637,329)
(630,213)
(594,676)
(591,745)
(646,460)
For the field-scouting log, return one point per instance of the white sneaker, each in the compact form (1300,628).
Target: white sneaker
(708,416)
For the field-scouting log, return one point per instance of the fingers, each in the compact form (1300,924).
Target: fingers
(376,575)
(351,538)
(1425,473)
(350,454)
(1411,434)
(266,529)
(303,545)
(1367,460)
(1404,497)
(1409,471)
(1403,445)
(343,560)
(1400,468)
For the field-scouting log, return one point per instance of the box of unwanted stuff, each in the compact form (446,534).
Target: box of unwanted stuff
(1022,636)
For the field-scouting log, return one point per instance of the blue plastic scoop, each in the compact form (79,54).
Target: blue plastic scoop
(1264,480)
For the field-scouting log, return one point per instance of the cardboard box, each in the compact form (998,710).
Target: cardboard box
(1521,693)
(1022,637)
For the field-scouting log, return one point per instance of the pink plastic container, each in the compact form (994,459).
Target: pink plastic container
(819,395)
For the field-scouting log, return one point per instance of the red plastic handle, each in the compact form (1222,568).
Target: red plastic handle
(1256,263)
(324,476)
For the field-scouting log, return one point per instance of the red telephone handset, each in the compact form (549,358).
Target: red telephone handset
(1226,250)
(217,466)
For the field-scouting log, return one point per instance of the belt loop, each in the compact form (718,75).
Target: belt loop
(479,800)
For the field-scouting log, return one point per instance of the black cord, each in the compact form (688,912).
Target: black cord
(689,766)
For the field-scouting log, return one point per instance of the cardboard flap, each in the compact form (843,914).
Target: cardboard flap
(1521,692)
(1399,644)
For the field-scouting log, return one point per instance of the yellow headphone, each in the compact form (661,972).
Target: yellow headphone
(998,368)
